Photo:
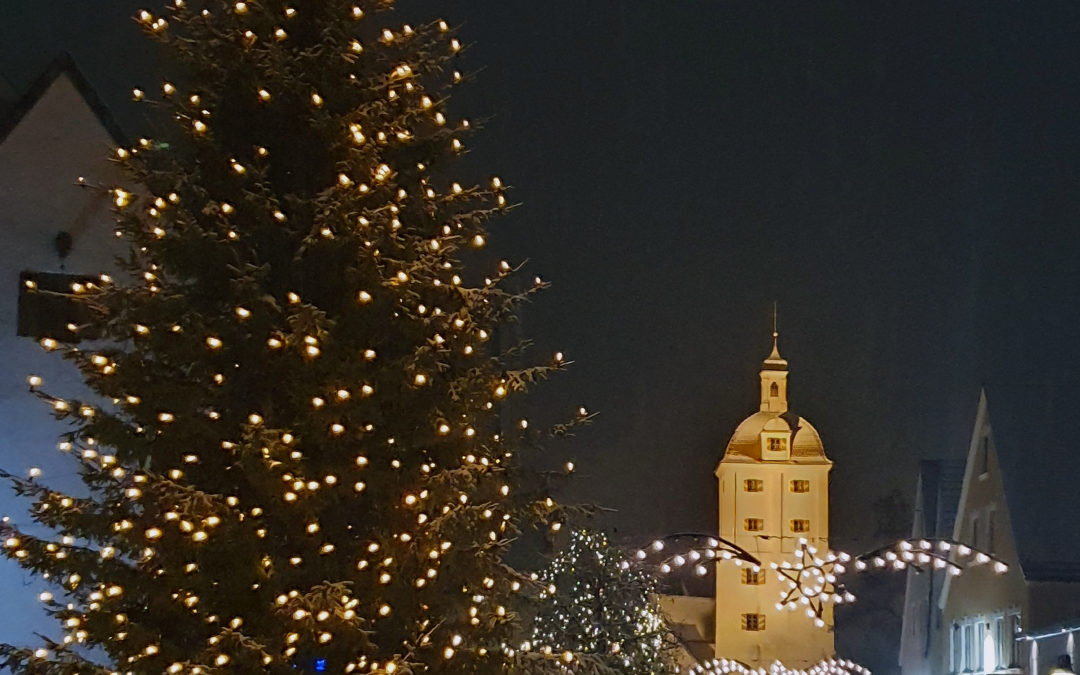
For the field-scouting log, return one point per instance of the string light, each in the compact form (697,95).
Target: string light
(810,579)
(594,600)
(211,450)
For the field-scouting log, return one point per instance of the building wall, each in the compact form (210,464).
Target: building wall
(998,615)
(789,636)
(692,619)
(56,142)
(919,646)
(1043,655)
(924,643)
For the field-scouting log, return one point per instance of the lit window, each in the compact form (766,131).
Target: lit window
(777,444)
(1013,628)
(800,525)
(752,578)
(1001,658)
(774,389)
(957,649)
(753,485)
(969,646)
(754,524)
(800,486)
(753,622)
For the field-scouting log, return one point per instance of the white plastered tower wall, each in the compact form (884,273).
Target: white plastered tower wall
(774,491)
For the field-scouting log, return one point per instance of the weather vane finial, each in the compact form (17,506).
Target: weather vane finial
(775,312)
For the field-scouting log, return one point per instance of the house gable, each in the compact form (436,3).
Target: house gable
(54,137)
(978,603)
(62,66)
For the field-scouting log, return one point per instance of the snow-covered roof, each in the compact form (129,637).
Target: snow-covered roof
(745,443)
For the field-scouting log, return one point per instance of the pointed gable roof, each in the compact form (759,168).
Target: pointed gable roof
(1039,469)
(62,66)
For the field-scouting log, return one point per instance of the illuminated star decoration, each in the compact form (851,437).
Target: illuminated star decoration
(811,577)
(811,581)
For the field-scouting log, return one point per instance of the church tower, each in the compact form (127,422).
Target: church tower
(774,492)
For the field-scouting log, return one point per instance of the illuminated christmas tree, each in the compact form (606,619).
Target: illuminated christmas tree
(599,602)
(299,458)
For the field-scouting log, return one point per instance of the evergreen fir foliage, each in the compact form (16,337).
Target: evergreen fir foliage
(298,459)
(599,603)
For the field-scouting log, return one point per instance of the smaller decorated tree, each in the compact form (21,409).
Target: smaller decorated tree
(597,602)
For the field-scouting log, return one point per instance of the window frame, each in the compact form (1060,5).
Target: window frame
(753,622)
(997,628)
(957,647)
(967,631)
(1013,627)
(753,485)
(796,483)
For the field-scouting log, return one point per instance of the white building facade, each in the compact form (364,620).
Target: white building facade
(52,228)
(1022,621)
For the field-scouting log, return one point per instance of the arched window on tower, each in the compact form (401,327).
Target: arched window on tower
(774,389)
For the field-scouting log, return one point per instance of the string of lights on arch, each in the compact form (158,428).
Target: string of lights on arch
(810,580)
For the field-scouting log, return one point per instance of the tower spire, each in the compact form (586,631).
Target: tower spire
(774,374)
(774,360)
(775,355)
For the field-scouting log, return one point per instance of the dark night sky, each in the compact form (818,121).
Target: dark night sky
(903,178)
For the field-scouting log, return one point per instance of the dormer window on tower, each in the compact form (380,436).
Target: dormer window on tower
(776,440)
